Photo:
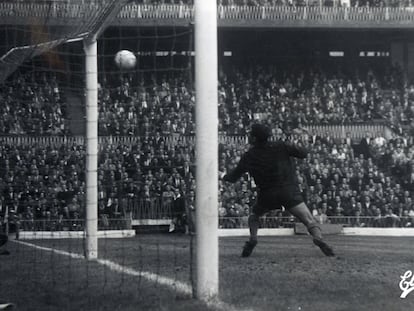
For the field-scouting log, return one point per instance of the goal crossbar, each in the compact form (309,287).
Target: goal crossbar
(96,18)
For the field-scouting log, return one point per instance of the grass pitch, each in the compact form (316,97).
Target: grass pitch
(283,273)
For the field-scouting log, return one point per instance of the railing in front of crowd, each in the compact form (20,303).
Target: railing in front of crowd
(271,222)
(355,131)
(336,132)
(139,209)
(53,225)
(131,209)
(316,12)
(186,12)
(57,141)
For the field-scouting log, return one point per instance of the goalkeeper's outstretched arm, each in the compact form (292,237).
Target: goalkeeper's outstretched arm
(236,173)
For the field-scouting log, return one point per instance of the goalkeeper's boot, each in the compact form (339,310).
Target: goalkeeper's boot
(248,248)
(325,248)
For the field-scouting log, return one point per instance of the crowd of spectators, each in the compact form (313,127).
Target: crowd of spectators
(341,180)
(48,183)
(45,183)
(374,177)
(32,104)
(284,98)
(139,106)
(337,181)
(142,108)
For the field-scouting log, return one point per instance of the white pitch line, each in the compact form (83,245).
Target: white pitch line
(177,285)
(181,287)
(73,255)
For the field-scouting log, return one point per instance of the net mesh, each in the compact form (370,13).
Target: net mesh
(41,35)
(43,154)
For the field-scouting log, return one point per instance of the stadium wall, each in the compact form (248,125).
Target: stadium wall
(41,235)
(378,231)
(401,232)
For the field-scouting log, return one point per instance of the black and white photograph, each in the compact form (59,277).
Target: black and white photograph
(207,155)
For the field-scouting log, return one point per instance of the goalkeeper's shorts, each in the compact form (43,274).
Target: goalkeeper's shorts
(274,198)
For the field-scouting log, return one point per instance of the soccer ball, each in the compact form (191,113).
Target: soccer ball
(125,59)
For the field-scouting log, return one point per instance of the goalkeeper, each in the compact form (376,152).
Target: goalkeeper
(271,166)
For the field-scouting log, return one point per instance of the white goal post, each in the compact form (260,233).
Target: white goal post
(206,81)
(91,98)
(206,113)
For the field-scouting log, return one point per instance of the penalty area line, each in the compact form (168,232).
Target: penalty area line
(181,287)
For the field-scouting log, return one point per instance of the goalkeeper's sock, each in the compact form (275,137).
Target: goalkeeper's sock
(253,227)
(315,231)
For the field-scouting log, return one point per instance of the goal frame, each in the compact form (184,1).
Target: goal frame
(206,117)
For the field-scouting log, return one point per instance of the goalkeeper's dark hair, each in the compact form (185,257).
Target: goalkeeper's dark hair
(260,132)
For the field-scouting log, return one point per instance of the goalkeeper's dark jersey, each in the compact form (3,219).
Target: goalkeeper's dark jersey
(269,164)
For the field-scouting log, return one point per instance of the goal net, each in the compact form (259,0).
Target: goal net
(145,175)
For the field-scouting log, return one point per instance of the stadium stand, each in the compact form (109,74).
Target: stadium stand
(258,93)
(138,177)
(341,178)
(33,104)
